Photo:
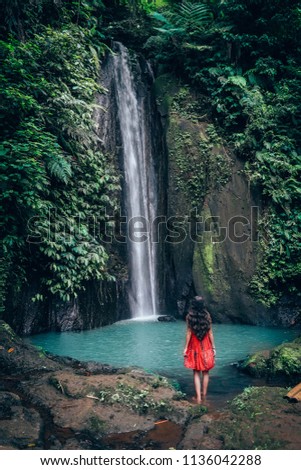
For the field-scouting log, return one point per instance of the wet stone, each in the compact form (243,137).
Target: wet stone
(166,318)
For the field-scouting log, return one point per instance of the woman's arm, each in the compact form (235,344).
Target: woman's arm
(211,337)
(188,336)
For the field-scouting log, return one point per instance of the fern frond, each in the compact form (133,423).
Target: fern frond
(170,31)
(159,17)
(237,80)
(187,17)
(59,168)
(192,16)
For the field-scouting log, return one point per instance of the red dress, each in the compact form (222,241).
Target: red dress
(199,353)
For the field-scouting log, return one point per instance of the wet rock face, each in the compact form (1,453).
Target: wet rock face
(101,303)
(215,255)
(215,207)
(225,261)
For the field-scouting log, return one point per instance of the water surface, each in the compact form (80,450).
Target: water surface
(158,347)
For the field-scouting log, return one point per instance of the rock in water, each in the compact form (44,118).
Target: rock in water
(166,318)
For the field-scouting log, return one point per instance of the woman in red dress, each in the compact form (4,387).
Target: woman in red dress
(199,351)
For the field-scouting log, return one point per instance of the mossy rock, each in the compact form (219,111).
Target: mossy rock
(197,159)
(283,360)
(256,364)
(165,87)
(286,359)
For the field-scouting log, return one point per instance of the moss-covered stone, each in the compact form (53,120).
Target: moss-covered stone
(208,277)
(256,364)
(286,359)
(281,361)
(197,160)
(204,261)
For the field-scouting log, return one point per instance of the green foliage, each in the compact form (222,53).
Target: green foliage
(286,359)
(54,179)
(247,62)
(243,56)
(25,17)
(146,6)
(184,27)
(188,18)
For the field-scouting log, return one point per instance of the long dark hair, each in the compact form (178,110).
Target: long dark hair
(198,318)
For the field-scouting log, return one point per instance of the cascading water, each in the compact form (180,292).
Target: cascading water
(140,187)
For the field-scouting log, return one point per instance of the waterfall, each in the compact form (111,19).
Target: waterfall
(140,186)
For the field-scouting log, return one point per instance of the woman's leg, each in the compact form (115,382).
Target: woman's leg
(197,385)
(205,381)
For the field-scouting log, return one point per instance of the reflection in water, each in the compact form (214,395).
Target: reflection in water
(158,347)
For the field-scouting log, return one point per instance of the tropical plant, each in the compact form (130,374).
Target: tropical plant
(187,18)
(247,63)
(54,179)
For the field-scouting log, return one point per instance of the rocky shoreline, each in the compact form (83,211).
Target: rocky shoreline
(50,402)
